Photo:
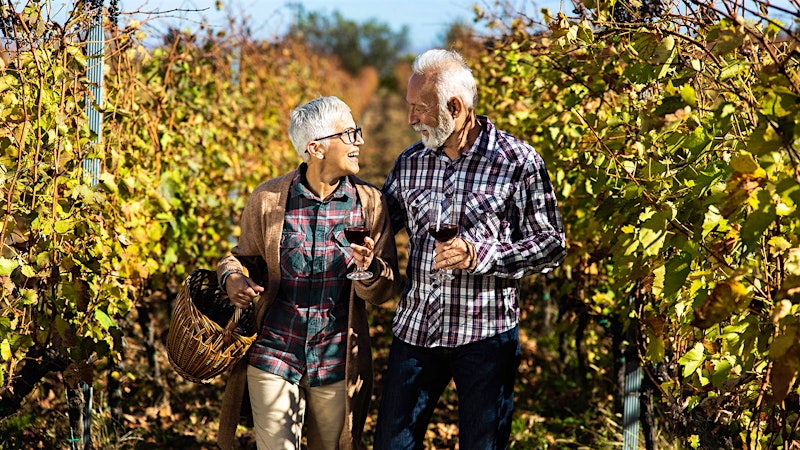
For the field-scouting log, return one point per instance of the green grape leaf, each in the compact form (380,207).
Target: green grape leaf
(692,359)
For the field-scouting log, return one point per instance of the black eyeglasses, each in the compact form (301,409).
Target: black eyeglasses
(349,136)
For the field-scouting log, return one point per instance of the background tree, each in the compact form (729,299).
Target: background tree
(357,45)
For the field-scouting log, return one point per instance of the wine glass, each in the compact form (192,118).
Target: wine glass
(442,227)
(355,230)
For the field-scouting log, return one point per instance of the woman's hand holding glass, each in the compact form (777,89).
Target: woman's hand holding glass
(362,257)
(357,233)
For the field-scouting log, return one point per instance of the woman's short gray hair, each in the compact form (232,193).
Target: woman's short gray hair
(315,119)
(451,75)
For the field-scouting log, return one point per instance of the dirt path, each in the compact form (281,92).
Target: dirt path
(386,134)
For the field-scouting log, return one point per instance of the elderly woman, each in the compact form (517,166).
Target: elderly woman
(312,357)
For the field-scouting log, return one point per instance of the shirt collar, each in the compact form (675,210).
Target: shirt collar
(344,191)
(486,138)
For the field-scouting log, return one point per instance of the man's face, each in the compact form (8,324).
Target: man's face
(426,115)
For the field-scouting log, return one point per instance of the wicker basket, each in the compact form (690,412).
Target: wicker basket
(207,334)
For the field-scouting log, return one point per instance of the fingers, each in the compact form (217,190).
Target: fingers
(453,254)
(369,243)
(363,255)
(241,302)
(242,290)
(253,289)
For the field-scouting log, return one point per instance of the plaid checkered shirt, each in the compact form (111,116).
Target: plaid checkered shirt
(505,205)
(305,331)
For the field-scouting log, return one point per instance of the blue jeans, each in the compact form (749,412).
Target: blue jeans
(484,374)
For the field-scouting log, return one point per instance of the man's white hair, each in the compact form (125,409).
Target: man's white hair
(451,76)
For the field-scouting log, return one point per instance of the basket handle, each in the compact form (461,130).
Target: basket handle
(237,314)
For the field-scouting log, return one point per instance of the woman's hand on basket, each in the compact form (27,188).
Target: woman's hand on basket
(241,290)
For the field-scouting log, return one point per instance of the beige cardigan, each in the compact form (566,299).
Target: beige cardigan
(261,227)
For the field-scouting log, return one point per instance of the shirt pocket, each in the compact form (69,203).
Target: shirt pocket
(418,202)
(484,216)
(295,255)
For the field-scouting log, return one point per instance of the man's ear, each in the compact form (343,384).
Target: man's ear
(455,106)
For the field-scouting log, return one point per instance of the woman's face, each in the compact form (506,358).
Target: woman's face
(341,156)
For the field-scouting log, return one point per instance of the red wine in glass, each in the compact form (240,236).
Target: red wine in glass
(355,231)
(441,228)
(443,232)
(356,235)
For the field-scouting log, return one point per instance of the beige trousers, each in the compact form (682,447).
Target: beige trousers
(279,409)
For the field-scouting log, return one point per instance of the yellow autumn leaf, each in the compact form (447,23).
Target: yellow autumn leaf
(5,350)
(743,162)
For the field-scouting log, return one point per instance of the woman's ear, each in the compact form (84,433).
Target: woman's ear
(315,150)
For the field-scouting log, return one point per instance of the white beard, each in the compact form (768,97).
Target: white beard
(437,136)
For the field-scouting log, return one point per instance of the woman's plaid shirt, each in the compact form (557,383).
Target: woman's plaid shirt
(505,204)
(305,331)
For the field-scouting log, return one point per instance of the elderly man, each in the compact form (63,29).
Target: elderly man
(497,190)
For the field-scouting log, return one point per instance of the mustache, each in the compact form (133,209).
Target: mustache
(421,127)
